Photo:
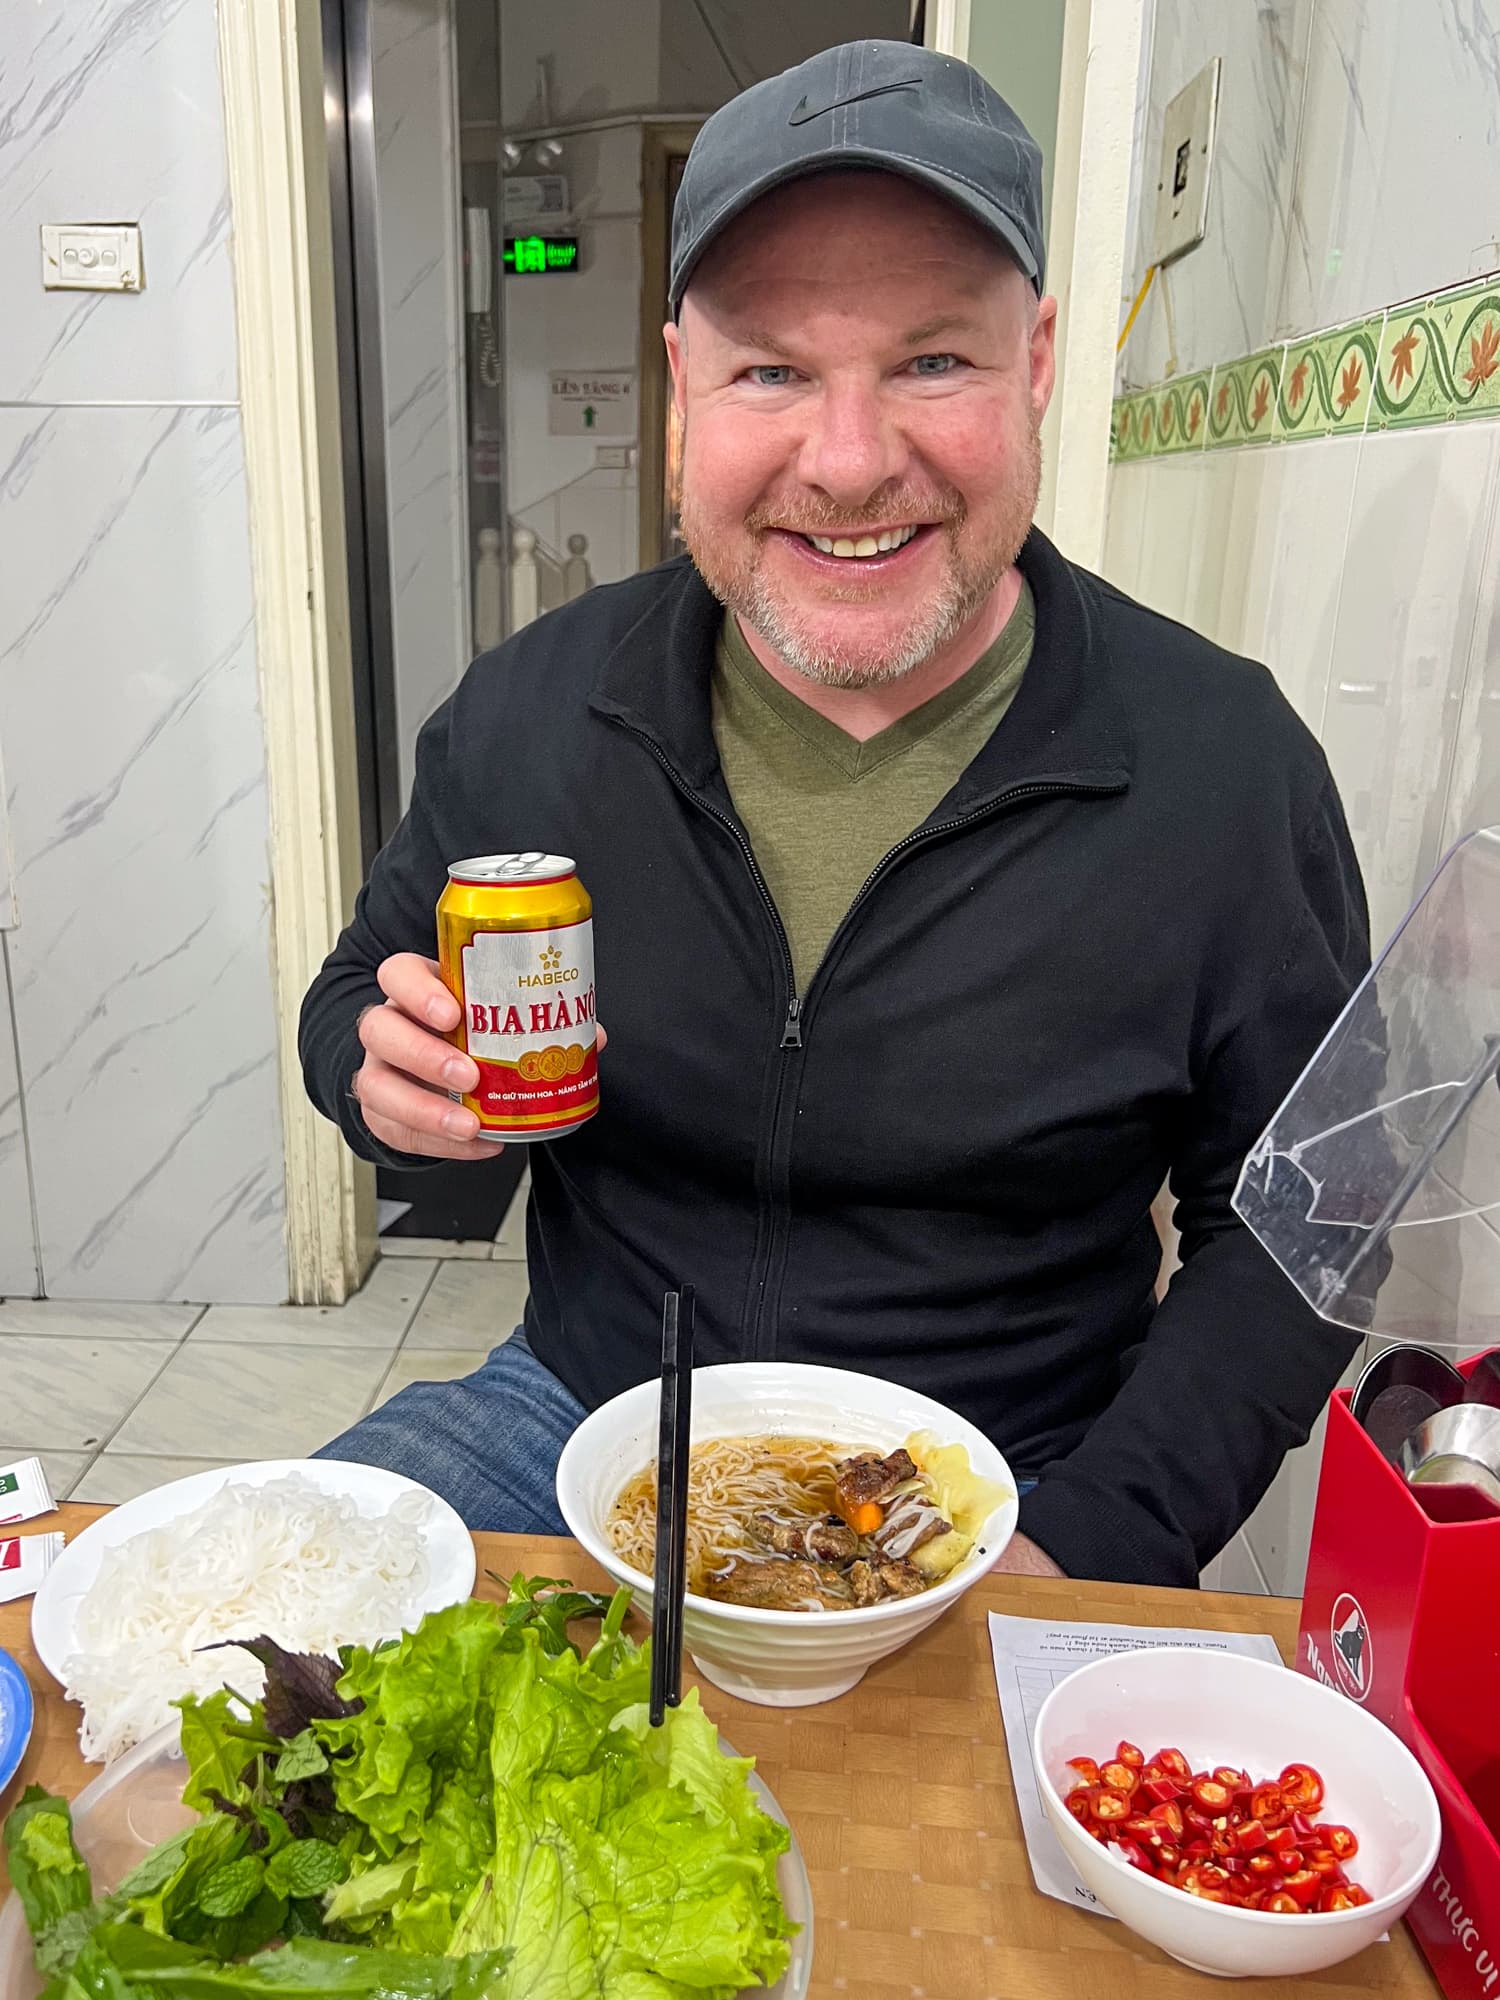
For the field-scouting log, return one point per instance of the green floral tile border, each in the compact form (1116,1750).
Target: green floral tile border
(1429,363)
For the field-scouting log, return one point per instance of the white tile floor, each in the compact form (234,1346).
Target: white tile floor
(115,1399)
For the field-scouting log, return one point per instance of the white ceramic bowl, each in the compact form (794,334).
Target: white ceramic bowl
(784,1659)
(1219,1708)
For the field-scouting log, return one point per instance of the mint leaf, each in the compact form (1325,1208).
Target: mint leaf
(305,1868)
(303,1757)
(232,1887)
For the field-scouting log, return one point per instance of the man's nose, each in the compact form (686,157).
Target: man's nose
(853,448)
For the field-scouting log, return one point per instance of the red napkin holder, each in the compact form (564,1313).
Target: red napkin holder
(1401,1613)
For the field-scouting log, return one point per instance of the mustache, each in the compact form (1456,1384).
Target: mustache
(813,514)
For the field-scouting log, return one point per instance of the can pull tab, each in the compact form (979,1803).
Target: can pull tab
(791,1034)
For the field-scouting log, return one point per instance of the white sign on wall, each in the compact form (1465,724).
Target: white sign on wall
(591,402)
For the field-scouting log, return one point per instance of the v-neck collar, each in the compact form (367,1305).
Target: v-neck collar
(1066,725)
(855,757)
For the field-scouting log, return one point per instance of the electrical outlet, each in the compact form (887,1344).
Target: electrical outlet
(1187,152)
(91,257)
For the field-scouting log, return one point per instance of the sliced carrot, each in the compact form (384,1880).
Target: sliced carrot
(863,1519)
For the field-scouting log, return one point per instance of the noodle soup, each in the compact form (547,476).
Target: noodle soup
(804,1524)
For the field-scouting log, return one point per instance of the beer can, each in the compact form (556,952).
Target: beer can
(516,947)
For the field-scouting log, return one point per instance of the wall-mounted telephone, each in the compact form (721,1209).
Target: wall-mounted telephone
(479,283)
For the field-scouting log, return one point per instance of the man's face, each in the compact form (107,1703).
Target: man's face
(861,373)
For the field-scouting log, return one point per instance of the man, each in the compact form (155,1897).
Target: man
(945,900)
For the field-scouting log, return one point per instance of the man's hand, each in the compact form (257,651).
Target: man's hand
(403,1083)
(1022,1557)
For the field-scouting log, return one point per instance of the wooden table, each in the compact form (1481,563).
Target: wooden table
(901,1798)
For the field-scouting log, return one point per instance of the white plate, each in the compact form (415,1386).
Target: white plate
(54,1614)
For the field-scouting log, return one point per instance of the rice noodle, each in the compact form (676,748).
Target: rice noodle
(730,1481)
(286,1559)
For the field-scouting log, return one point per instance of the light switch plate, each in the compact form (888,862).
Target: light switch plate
(91,257)
(1187,153)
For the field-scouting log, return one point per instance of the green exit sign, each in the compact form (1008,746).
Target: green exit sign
(537,256)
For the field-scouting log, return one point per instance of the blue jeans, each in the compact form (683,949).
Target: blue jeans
(488,1443)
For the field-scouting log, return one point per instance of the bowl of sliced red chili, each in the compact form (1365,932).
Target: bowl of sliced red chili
(1245,1819)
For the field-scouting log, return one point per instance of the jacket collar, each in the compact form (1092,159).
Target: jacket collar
(1067,724)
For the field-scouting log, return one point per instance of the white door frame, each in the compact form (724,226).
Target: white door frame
(1101,65)
(271,66)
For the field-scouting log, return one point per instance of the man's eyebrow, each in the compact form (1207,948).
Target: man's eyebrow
(755,336)
(945,323)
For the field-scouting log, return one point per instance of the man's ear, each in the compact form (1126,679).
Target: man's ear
(676,344)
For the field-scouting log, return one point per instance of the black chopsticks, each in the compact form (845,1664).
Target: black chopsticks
(670,1580)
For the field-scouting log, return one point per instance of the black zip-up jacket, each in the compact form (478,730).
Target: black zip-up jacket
(1104,958)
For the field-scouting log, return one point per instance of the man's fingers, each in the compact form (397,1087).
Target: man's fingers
(403,1140)
(389,1034)
(416,986)
(386,1093)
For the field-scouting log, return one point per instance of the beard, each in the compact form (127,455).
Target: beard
(736,573)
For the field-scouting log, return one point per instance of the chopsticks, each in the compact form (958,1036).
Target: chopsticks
(670,1580)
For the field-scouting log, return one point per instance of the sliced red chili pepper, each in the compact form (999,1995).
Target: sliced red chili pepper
(1335,1897)
(1126,1753)
(1236,1864)
(1211,1796)
(1197,1849)
(1339,1840)
(1357,1896)
(1213,1877)
(1106,1805)
(1140,1827)
(1135,1854)
(1234,1781)
(1267,1803)
(1282,1904)
(1198,1820)
(1281,1838)
(1168,1859)
(1169,1817)
(1265,1864)
(1251,1838)
(1304,1829)
(1161,1789)
(1086,1768)
(1301,1787)
(1119,1778)
(1077,1801)
(1304,1887)
(1174,1764)
(1323,1862)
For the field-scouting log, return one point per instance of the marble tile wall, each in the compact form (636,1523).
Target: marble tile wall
(139,965)
(414,107)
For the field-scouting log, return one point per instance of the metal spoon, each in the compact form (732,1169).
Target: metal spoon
(1402,1387)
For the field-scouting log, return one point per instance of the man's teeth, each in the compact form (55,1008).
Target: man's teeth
(867,545)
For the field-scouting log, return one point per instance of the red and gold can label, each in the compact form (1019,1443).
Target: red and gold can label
(528,1000)
(516,946)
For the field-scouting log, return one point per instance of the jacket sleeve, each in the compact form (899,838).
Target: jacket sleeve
(395,911)
(1236,1366)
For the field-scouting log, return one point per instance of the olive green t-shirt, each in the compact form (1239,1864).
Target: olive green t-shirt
(823,810)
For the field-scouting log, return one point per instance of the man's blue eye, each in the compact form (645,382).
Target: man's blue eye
(935,364)
(771,375)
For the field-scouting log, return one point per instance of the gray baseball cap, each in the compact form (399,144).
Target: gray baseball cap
(887,105)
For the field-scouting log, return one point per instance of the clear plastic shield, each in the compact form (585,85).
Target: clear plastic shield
(1376,1187)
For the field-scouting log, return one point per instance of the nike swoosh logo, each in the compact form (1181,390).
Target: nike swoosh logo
(802,116)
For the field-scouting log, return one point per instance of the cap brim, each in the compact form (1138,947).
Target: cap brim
(959,193)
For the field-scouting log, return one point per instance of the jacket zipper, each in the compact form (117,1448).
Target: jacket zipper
(791,1033)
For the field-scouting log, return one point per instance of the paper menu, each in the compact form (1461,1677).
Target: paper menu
(1031,1657)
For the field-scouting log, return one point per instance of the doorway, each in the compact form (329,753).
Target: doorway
(502,181)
